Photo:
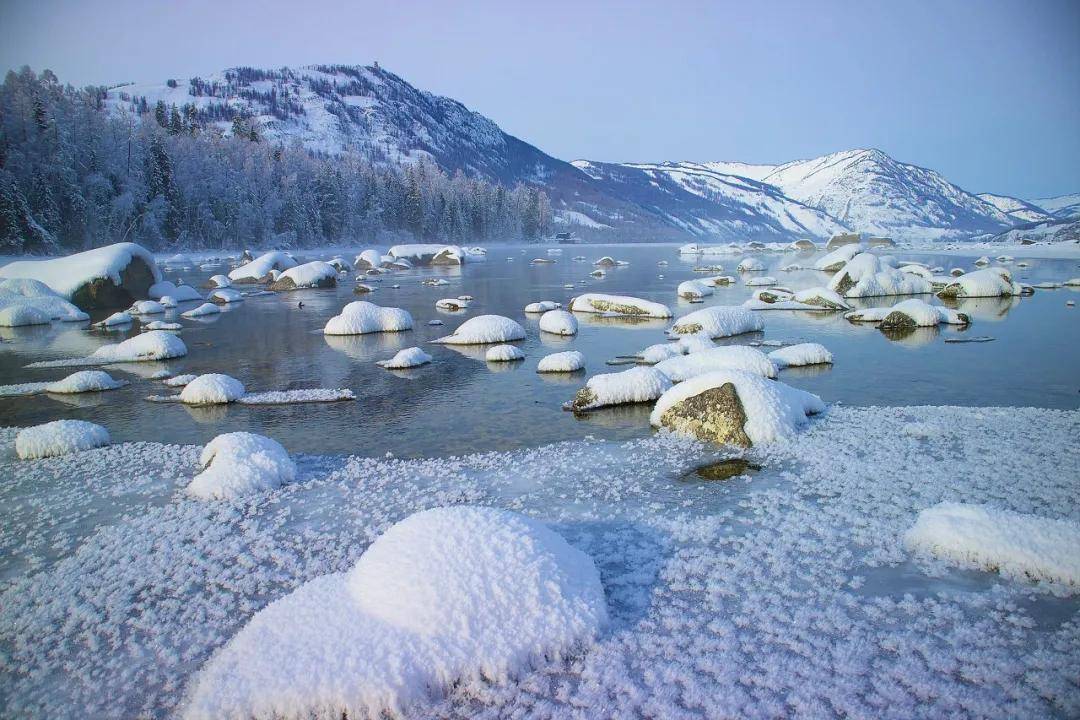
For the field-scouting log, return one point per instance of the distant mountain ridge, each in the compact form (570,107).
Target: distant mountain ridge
(369,111)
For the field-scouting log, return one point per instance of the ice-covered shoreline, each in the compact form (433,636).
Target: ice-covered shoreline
(788,593)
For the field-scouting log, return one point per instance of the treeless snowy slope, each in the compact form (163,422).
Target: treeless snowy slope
(1064,206)
(1019,210)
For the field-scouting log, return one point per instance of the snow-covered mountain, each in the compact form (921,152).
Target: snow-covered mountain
(1062,206)
(1019,210)
(371,112)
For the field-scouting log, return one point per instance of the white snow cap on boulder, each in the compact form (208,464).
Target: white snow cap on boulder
(23,314)
(368,259)
(220,281)
(913,312)
(485,330)
(617,305)
(800,355)
(65,275)
(225,296)
(867,275)
(504,353)
(146,307)
(241,463)
(18,293)
(85,381)
(569,361)
(444,597)
(1020,547)
(992,282)
(833,261)
(773,410)
(361,317)
(212,389)
(694,289)
(59,437)
(179,293)
(407,358)
(639,384)
(152,345)
(202,310)
(737,357)
(542,306)
(309,275)
(558,322)
(259,268)
(750,264)
(717,322)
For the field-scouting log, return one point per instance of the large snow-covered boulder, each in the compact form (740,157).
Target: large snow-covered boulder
(867,275)
(22,314)
(225,296)
(84,381)
(992,282)
(361,317)
(212,389)
(428,254)
(542,306)
(504,353)
(241,463)
(734,407)
(800,355)
(833,261)
(558,322)
(407,358)
(146,307)
(909,314)
(1019,546)
(179,293)
(618,305)
(485,330)
(639,384)
(367,259)
(152,345)
(259,269)
(315,274)
(444,597)
(737,357)
(59,437)
(816,299)
(717,322)
(17,293)
(562,362)
(111,276)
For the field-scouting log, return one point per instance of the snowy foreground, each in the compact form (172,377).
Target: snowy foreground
(792,591)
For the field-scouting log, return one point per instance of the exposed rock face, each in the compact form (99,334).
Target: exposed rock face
(583,400)
(723,469)
(286,283)
(269,277)
(135,282)
(805,245)
(880,242)
(715,414)
(844,284)
(446,256)
(687,328)
(362,289)
(619,308)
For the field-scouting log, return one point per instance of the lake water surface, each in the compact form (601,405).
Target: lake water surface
(459,403)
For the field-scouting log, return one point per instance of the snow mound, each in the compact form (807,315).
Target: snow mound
(178,380)
(639,384)
(407,358)
(445,596)
(801,354)
(202,310)
(750,265)
(559,322)
(66,275)
(717,322)
(992,282)
(542,306)
(116,320)
(867,275)
(485,330)
(259,269)
(763,281)
(1019,546)
(616,305)
(59,438)
(179,293)
(161,325)
(146,307)
(683,346)
(212,389)
(37,295)
(816,299)
(225,296)
(309,275)
(300,395)
(367,259)
(694,289)
(22,314)
(773,410)
(452,304)
(241,463)
(85,381)
(833,261)
(504,353)
(361,317)
(911,313)
(728,357)
(220,281)
(153,345)
(569,361)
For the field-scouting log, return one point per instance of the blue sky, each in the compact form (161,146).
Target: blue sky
(987,92)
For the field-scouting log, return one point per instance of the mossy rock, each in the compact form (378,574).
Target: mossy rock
(715,415)
(583,400)
(897,320)
(845,283)
(723,469)
(103,293)
(687,328)
(618,308)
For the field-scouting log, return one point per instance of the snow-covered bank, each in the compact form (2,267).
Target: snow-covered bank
(789,594)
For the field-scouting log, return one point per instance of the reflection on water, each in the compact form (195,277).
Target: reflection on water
(910,336)
(461,403)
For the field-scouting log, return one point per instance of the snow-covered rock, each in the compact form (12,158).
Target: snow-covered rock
(179,380)
(316,274)
(868,275)
(202,310)
(717,322)
(179,293)
(117,319)
(26,292)
(160,325)
(368,259)
(750,264)
(639,384)
(241,463)
(85,381)
(800,355)
(109,276)
(817,299)
(153,345)
(445,596)
(428,254)
(833,261)
(220,281)
(361,317)
(485,330)
(694,289)
(736,407)
(762,281)
(1019,546)
(21,314)
(504,353)
(558,322)
(225,296)
(407,358)
(542,306)
(451,304)
(59,438)
(259,269)
(909,314)
(146,307)
(992,282)
(212,389)
(616,305)
(561,362)
(738,357)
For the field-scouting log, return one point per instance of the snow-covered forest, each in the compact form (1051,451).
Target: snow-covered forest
(74,175)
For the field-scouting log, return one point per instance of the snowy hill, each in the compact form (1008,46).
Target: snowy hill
(370,112)
(1062,206)
(1019,210)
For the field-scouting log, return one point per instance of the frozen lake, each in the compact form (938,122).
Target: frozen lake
(460,403)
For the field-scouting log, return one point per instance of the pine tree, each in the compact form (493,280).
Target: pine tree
(176,123)
(161,113)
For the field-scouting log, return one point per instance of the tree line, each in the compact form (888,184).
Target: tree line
(78,172)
